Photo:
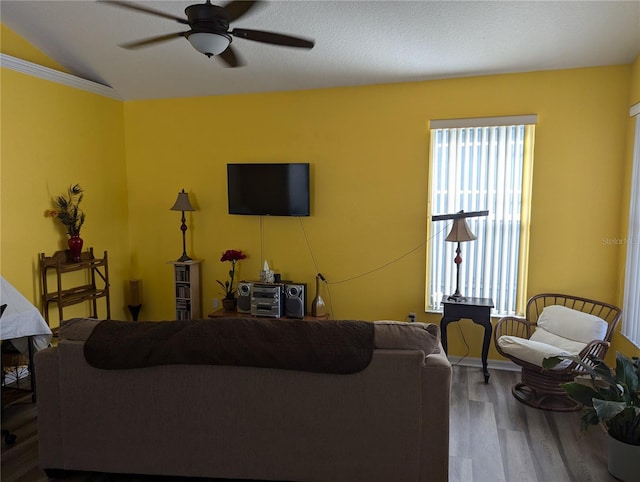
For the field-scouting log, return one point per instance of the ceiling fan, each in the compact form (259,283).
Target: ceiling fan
(209,29)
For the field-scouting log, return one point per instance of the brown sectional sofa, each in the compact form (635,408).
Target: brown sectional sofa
(388,422)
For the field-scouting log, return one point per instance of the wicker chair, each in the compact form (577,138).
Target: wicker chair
(541,388)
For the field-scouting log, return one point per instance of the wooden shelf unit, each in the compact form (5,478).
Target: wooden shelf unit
(97,286)
(186,282)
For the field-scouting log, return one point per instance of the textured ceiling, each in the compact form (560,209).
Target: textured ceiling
(357,42)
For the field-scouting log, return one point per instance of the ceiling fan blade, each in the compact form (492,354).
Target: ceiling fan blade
(140,8)
(272,38)
(237,8)
(231,58)
(152,40)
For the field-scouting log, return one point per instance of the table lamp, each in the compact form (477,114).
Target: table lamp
(459,233)
(183,204)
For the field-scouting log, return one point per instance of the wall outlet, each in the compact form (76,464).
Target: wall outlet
(412,317)
(216,303)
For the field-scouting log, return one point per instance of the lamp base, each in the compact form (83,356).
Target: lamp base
(457,297)
(135,311)
(183,258)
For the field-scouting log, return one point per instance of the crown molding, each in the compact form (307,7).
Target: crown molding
(56,76)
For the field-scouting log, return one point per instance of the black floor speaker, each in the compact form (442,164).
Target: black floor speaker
(295,303)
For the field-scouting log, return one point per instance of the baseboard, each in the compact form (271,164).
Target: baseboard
(477,363)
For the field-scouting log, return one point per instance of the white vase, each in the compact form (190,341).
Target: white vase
(624,460)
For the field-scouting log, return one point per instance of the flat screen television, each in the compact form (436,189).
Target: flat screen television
(269,189)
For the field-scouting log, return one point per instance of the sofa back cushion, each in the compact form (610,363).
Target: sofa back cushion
(328,346)
(398,335)
(77,329)
(388,334)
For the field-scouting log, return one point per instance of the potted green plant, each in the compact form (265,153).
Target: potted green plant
(611,398)
(233,256)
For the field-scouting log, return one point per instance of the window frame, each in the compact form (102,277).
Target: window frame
(529,122)
(631,294)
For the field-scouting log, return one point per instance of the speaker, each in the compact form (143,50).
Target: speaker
(295,303)
(244,296)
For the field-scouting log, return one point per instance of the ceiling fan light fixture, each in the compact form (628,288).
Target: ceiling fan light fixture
(209,43)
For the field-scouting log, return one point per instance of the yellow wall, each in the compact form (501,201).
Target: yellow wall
(54,136)
(368,148)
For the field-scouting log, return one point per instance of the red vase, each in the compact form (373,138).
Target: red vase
(75,246)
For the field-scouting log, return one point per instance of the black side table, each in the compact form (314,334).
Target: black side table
(477,310)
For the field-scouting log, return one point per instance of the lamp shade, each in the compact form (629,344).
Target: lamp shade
(209,43)
(182,203)
(460,232)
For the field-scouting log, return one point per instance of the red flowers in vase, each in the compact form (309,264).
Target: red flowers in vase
(233,256)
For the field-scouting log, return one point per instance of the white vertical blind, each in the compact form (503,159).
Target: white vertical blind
(631,306)
(473,169)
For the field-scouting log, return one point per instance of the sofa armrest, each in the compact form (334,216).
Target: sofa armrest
(435,417)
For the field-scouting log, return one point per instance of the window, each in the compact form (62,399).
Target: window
(631,306)
(476,165)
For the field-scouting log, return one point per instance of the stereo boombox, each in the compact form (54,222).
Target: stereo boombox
(273,299)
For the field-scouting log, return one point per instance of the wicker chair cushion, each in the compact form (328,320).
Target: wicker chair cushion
(531,351)
(570,346)
(572,324)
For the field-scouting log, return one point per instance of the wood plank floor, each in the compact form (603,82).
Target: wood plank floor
(493,438)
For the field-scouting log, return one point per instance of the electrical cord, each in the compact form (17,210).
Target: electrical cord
(315,264)
(261,243)
(465,344)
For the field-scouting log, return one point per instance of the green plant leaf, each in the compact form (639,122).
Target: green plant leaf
(611,398)
(590,417)
(625,426)
(626,373)
(582,393)
(601,369)
(607,409)
(552,362)
(598,369)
